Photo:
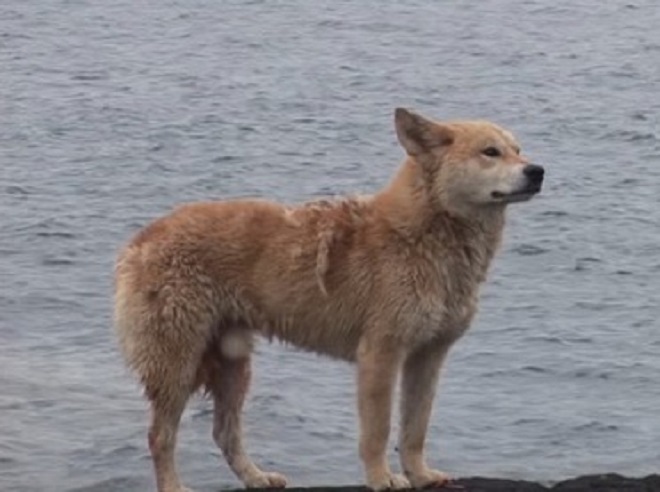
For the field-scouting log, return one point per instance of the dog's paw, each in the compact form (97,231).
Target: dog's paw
(388,481)
(429,478)
(266,480)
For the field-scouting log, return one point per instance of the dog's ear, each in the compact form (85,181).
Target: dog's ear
(418,135)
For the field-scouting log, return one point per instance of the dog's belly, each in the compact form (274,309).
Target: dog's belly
(310,323)
(337,338)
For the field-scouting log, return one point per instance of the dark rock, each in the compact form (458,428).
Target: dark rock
(480,484)
(609,483)
(588,483)
(652,483)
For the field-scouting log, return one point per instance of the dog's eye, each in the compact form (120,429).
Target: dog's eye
(491,152)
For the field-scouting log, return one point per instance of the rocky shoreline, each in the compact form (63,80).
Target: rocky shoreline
(588,483)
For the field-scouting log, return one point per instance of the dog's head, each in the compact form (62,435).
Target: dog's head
(468,163)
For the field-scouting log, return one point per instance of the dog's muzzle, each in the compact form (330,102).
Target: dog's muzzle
(534,175)
(532,185)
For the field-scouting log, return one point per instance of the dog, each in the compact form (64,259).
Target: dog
(388,281)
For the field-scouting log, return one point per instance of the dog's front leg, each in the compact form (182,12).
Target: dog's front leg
(378,366)
(418,384)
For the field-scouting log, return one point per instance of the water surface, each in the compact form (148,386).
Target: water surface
(113,112)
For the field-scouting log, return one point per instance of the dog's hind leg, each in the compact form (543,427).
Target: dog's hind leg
(168,371)
(165,418)
(229,386)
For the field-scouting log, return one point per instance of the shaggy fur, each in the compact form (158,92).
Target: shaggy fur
(387,281)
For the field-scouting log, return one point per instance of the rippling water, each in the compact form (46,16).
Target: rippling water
(112,112)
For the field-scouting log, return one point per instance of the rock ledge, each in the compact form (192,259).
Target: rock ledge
(588,483)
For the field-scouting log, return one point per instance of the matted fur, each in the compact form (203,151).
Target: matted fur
(388,281)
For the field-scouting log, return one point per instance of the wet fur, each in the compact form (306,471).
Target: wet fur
(388,281)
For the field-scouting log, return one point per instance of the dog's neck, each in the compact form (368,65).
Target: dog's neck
(413,214)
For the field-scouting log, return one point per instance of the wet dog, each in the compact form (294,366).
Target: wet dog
(389,281)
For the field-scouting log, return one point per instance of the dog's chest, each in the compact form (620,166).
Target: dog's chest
(446,293)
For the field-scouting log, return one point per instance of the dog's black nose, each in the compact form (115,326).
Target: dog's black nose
(534,173)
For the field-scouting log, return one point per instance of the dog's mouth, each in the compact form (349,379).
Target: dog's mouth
(518,195)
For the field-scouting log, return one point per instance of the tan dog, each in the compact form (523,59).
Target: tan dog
(388,281)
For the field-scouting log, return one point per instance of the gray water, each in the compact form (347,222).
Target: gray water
(113,112)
